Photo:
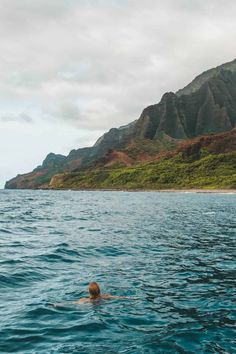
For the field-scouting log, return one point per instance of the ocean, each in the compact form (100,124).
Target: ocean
(171,254)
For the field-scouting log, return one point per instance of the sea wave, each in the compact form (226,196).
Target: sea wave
(171,254)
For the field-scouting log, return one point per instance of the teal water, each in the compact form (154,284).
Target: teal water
(172,253)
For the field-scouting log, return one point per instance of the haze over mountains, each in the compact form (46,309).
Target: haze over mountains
(207,105)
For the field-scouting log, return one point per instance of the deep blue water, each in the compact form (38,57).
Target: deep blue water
(172,253)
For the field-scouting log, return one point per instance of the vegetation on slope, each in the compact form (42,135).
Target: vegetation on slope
(206,162)
(210,171)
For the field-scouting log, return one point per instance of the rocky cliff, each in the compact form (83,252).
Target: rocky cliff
(210,109)
(206,105)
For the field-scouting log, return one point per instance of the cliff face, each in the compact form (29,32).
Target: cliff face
(206,105)
(210,109)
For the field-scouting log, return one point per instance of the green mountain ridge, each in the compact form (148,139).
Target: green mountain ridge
(208,162)
(207,105)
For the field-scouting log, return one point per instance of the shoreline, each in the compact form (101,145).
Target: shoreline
(211,191)
(174,190)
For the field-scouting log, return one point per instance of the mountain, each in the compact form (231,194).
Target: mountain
(207,105)
(207,162)
(194,110)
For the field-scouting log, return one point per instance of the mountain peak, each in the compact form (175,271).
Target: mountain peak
(205,76)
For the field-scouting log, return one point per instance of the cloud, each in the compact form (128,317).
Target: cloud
(23,117)
(97,64)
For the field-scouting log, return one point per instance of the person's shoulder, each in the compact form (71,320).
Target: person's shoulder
(82,301)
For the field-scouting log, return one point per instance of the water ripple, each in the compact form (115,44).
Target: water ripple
(172,254)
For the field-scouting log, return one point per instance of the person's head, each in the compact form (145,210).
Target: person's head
(94,290)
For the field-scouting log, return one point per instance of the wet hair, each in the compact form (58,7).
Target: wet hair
(94,290)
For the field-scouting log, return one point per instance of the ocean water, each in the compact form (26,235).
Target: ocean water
(173,254)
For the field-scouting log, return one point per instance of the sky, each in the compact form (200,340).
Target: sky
(72,69)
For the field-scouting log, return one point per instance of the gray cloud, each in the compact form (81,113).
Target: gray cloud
(22,117)
(96,64)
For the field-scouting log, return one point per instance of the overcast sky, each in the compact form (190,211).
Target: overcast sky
(72,69)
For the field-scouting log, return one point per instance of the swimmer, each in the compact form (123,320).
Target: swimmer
(95,295)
